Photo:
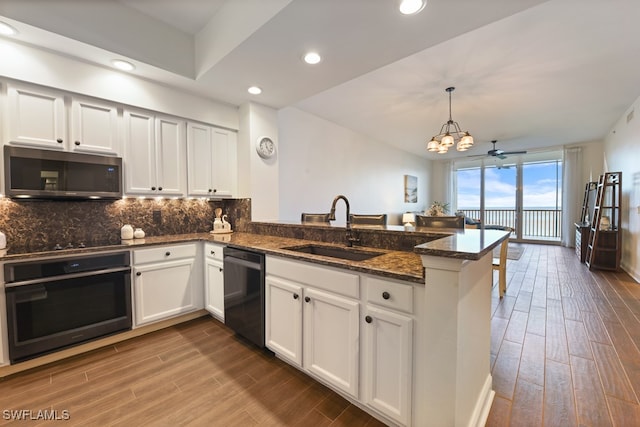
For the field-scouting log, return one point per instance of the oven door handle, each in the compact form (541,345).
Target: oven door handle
(34,293)
(68,276)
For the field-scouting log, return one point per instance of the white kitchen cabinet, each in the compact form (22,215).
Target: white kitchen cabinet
(154,161)
(166,282)
(212,161)
(36,117)
(321,299)
(214,280)
(387,348)
(387,356)
(283,323)
(331,334)
(94,127)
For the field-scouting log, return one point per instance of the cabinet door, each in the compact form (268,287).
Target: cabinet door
(331,339)
(387,356)
(224,162)
(163,290)
(94,127)
(36,117)
(283,319)
(140,154)
(199,160)
(170,156)
(214,288)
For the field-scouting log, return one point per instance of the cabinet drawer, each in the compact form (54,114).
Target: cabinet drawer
(397,296)
(164,253)
(213,251)
(327,278)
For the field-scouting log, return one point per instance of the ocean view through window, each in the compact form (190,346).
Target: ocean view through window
(523,192)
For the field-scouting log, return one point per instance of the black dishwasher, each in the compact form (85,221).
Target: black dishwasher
(244,293)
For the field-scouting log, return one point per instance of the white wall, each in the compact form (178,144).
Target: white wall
(320,159)
(592,164)
(621,148)
(257,177)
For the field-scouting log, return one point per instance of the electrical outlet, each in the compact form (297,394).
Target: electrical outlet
(157,217)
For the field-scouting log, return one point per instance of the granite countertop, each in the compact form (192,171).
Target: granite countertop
(469,244)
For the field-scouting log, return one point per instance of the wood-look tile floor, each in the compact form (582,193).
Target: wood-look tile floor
(565,352)
(194,374)
(565,344)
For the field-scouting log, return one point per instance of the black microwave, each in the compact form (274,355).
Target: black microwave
(47,174)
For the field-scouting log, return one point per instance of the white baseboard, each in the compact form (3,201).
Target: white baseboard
(483,404)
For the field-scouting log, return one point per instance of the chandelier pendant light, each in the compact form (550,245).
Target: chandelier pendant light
(450,135)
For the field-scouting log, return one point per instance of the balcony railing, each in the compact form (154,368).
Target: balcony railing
(536,223)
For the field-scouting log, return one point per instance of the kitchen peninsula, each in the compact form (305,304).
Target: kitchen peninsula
(434,296)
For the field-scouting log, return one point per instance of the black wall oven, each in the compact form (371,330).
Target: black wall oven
(64,301)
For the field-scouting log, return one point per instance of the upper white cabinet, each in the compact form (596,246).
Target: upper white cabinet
(37,117)
(94,127)
(154,160)
(212,160)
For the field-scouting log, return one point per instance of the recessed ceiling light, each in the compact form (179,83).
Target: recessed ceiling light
(123,65)
(312,58)
(254,90)
(7,30)
(410,7)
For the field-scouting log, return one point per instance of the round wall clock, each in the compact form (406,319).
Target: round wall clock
(265,147)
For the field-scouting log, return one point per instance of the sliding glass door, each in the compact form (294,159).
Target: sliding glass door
(522,192)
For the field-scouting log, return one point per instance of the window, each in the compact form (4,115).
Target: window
(523,192)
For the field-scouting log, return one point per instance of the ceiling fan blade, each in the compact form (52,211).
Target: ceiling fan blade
(514,152)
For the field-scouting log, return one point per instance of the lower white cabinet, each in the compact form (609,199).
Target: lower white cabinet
(314,319)
(331,339)
(214,280)
(387,355)
(283,322)
(328,347)
(166,282)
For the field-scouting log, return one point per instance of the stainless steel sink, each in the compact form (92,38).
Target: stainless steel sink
(335,252)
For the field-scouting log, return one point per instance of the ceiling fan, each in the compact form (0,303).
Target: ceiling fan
(501,154)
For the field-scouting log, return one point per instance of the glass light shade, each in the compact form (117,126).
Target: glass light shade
(461,147)
(433,145)
(467,140)
(442,149)
(447,140)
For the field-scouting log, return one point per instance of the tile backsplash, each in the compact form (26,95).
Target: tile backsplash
(36,225)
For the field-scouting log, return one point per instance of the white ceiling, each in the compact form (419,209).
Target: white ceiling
(529,73)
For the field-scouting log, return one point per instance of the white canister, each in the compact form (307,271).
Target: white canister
(126,232)
(3,240)
(138,233)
